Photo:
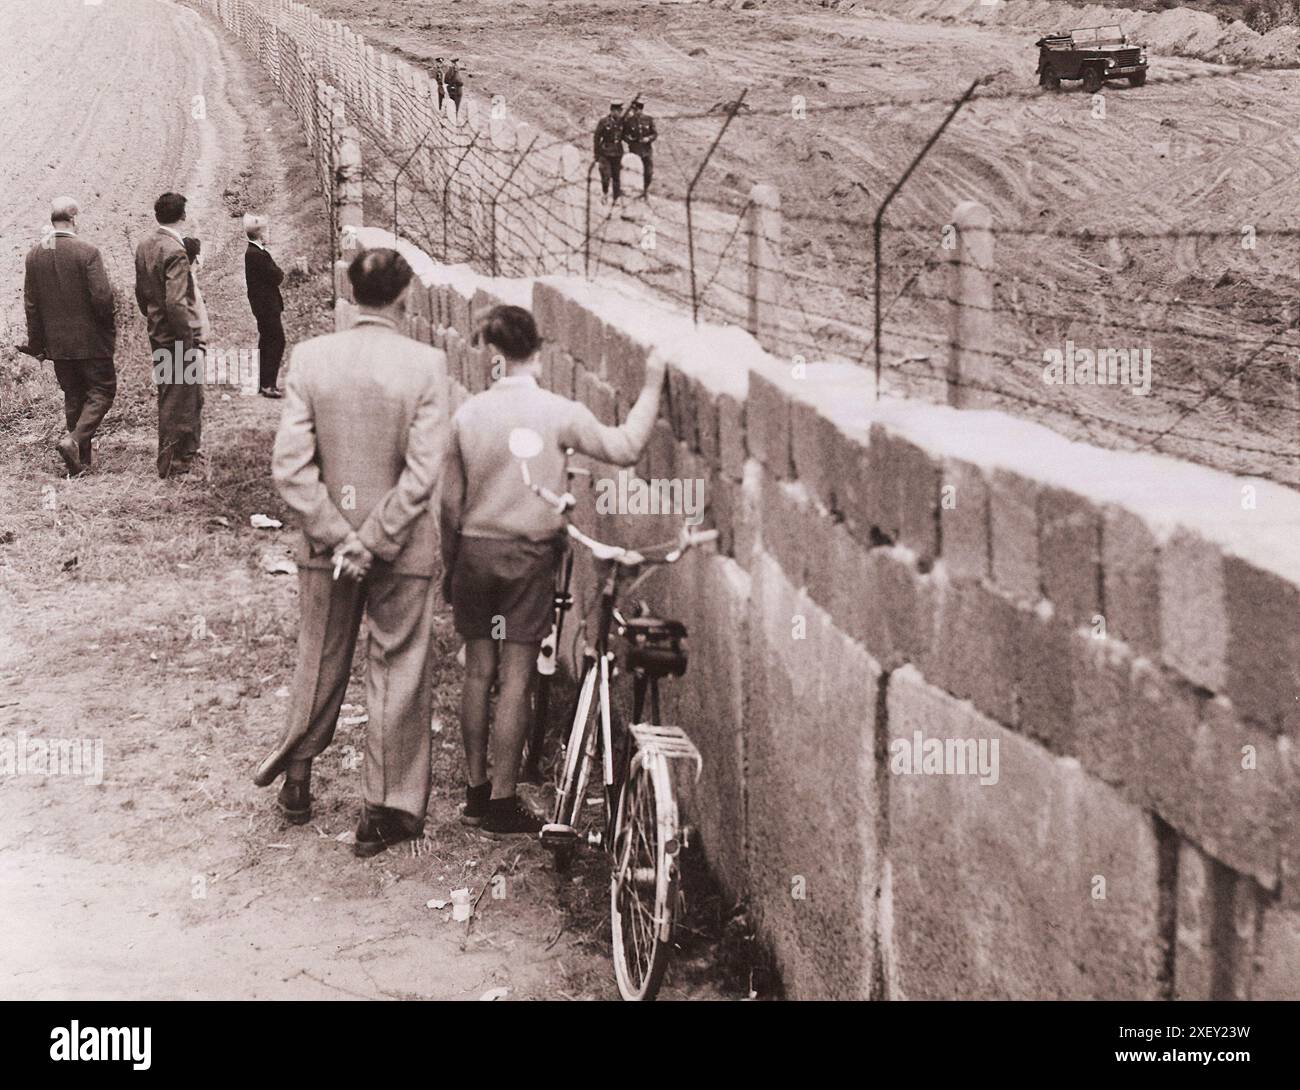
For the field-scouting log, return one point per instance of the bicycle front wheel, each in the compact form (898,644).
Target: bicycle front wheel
(643,888)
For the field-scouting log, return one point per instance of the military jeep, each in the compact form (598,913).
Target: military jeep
(1092,54)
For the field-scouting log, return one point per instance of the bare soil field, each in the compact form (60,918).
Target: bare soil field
(137,613)
(1120,224)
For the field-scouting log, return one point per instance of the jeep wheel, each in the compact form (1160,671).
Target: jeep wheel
(1093,80)
(1049,81)
(1137,79)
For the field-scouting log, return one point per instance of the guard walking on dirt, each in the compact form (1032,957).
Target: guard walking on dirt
(164,292)
(69,304)
(640,133)
(608,149)
(451,79)
(358,456)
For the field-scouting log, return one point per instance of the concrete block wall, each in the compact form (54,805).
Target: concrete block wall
(1122,626)
(1125,628)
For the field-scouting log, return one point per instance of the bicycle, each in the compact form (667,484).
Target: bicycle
(640,825)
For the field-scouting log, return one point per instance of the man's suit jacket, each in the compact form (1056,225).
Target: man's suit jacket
(361,443)
(263,277)
(69,301)
(164,290)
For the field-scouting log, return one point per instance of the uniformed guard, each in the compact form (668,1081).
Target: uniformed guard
(452,81)
(608,147)
(640,134)
(438,72)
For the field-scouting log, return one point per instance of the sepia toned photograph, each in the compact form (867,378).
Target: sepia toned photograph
(648,500)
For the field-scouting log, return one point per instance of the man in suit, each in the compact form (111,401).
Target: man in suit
(69,304)
(263,278)
(164,291)
(358,455)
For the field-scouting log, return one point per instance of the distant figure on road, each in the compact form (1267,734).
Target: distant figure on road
(452,81)
(69,304)
(358,457)
(608,149)
(164,292)
(640,133)
(263,277)
(439,67)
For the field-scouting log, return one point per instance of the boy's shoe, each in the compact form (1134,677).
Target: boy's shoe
(476,804)
(509,817)
(381,828)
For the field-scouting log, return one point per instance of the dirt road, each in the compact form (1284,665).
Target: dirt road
(135,613)
(1196,157)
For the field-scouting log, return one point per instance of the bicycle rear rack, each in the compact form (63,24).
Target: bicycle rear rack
(669,742)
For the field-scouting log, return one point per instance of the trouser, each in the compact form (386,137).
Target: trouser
(89,387)
(399,678)
(611,171)
(453,93)
(647,167)
(270,349)
(180,416)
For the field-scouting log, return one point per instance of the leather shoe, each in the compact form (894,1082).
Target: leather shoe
(71,455)
(294,801)
(270,391)
(381,828)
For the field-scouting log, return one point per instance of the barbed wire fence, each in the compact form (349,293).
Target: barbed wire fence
(910,291)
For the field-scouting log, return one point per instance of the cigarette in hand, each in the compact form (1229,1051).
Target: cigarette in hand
(338,565)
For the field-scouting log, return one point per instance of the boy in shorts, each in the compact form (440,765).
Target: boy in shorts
(501,545)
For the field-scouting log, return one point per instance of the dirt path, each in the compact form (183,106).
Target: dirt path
(135,613)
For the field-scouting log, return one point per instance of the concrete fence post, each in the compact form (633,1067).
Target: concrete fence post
(970,336)
(348,186)
(763,318)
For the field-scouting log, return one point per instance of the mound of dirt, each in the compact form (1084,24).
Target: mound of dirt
(1179,31)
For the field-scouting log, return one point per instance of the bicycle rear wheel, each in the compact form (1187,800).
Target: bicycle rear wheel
(643,888)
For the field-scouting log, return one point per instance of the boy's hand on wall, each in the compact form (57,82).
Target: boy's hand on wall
(656,367)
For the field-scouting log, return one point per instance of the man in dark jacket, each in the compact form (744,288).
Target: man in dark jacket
(69,304)
(608,150)
(164,292)
(640,133)
(264,277)
(452,81)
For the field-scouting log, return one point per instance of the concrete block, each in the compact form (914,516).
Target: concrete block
(974,649)
(1069,554)
(768,422)
(787,516)
(1216,920)
(1042,668)
(1040,886)
(1130,580)
(905,484)
(964,521)
(597,395)
(731,437)
(1277,961)
(680,403)
(1263,646)
(1013,521)
(811,752)
(711,596)
(549,310)
(1193,615)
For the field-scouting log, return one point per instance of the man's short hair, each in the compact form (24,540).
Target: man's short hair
(169,208)
(63,210)
(254,224)
(378,277)
(511,331)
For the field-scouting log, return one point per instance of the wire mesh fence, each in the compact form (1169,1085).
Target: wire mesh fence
(1209,348)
